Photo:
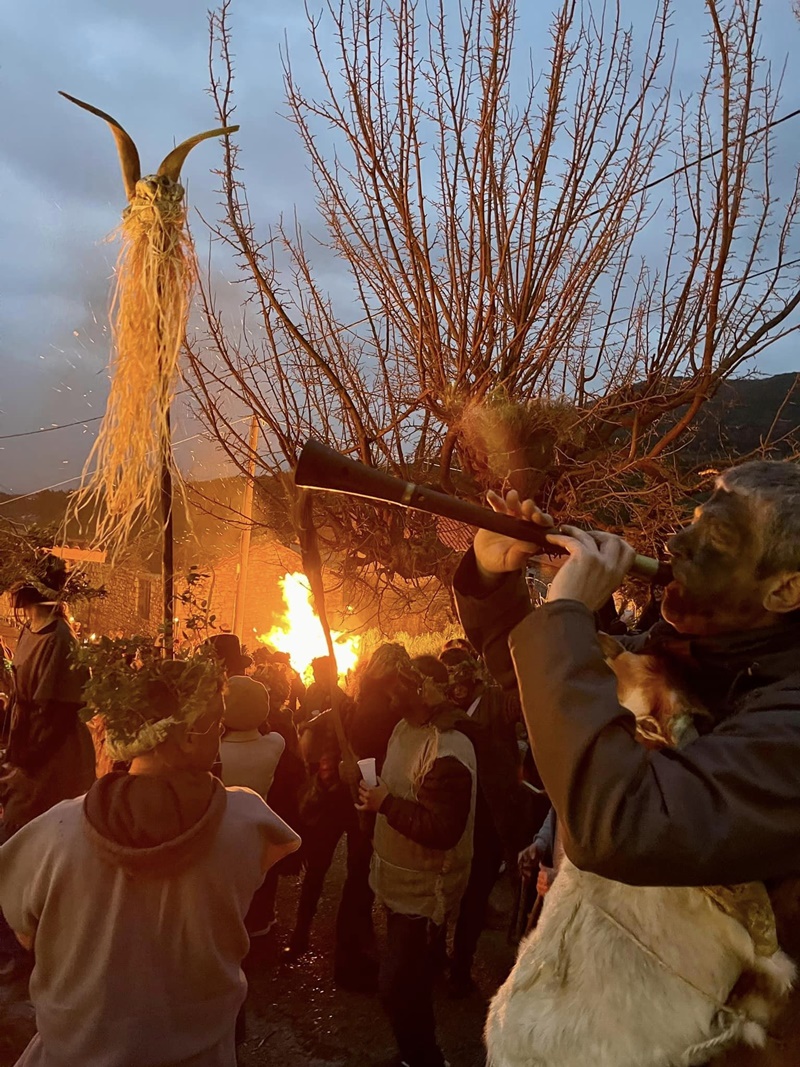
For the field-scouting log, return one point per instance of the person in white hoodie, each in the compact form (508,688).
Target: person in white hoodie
(250,759)
(133,897)
(250,751)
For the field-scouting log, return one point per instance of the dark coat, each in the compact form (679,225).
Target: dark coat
(723,810)
(492,729)
(48,744)
(370,723)
(438,816)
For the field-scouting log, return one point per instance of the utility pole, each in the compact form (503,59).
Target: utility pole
(244,543)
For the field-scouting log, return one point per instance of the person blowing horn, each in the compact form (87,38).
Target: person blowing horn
(719,811)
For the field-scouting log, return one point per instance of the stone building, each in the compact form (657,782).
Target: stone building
(132,604)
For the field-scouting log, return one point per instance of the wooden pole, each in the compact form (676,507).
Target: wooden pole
(244,543)
(168,545)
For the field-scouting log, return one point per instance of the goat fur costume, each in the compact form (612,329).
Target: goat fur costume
(641,976)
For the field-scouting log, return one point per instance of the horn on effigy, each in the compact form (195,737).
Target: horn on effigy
(128,155)
(320,467)
(172,163)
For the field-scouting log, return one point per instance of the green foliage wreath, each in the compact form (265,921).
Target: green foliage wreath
(140,695)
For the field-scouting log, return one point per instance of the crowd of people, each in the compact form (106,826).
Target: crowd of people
(136,894)
(427,842)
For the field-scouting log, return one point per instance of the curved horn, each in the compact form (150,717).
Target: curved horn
(128,156)
(171,167)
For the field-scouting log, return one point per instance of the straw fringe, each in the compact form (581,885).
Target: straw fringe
(155,276)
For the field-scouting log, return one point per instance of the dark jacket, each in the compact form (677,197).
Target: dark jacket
(492,729)
(437,818)
(46,695)
(725,809)
(371,721)
(545,839)
(438,815)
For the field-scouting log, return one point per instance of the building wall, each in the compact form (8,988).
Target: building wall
(132,606)
(269,561)
(9,631)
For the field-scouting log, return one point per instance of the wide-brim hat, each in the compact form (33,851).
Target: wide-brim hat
(246,703)
(229,650)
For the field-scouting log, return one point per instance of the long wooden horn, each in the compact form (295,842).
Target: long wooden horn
(320,467)
(171,167)
(128,155)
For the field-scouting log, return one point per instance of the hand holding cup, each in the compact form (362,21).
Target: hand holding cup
(372,799)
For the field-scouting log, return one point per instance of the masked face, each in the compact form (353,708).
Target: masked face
(464,684)
(715,564)
(405,689)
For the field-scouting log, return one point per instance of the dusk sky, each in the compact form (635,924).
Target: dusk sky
(62,194)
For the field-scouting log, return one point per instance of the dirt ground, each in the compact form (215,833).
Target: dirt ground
(297,1018)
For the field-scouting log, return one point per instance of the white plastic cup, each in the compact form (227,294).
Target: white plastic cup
(368,772)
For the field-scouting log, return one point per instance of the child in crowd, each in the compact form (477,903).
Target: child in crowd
(250,758)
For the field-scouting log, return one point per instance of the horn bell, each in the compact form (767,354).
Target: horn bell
(128,155)
(171,166)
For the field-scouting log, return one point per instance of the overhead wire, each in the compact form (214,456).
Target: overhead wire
(232,373)
(77,477)
(180,392)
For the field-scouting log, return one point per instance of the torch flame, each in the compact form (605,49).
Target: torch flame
(300,633)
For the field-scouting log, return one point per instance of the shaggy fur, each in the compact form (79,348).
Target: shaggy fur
(627,976)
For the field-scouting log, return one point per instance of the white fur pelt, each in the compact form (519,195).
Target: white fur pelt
(626,976)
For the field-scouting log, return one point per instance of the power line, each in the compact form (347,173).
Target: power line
(49,429)
(180,392)
(710,155)
(642,189)
(233,373)
(45,489)
(77,477)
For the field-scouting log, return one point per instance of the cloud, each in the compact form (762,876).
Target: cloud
(146,66)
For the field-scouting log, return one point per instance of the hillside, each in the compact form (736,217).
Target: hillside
(742,414)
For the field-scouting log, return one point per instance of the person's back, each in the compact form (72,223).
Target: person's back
(251,761)
(133,964)
(249,757)
(134,896)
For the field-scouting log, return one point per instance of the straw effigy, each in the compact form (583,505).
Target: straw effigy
(123,477)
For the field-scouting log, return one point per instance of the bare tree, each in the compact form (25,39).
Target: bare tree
(529,302)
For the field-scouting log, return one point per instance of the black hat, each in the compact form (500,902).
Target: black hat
(229,650)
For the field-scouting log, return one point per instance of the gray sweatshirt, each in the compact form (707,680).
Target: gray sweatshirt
(135,965)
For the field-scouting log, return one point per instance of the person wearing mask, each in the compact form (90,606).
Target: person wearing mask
(725,809)
(425,805)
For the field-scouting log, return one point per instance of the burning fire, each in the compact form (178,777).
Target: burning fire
(300,634)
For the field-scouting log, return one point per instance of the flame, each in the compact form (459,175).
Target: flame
(300,633)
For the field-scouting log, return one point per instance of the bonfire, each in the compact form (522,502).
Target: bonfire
(300,633)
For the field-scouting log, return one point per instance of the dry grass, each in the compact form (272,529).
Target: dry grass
(155,274)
